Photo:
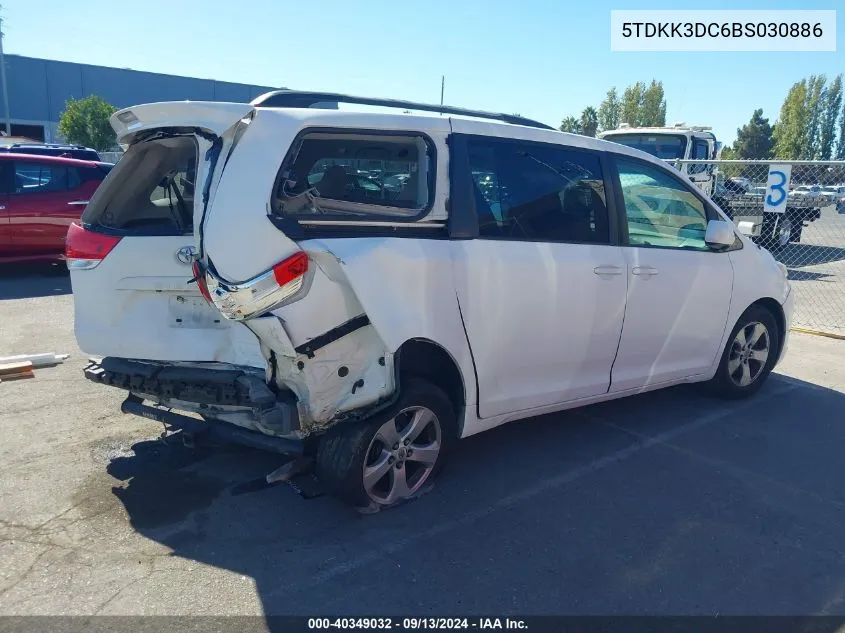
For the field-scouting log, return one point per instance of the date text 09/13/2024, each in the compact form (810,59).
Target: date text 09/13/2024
(413,624)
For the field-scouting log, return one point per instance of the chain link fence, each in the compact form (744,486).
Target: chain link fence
(807,234)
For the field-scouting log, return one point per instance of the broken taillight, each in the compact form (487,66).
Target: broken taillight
(199,277)
(85,249)
(255,296)
(289,270)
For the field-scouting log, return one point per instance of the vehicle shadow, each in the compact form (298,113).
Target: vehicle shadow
(25,281)
(668,502)
(807,275)
(797,255)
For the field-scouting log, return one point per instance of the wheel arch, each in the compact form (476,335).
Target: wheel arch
(776,310)
(428,360)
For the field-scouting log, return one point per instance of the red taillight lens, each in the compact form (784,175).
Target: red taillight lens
(88,246)
(199,276)
(293,267)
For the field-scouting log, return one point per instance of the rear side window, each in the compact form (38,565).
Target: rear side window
(533,191)
(34,177)
(150,190)
(356,174)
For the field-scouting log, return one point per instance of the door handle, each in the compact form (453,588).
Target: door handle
(607,270)
(644,271)
(76,203)
(2,207)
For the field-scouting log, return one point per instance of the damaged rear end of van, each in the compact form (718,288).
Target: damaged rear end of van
(218,313)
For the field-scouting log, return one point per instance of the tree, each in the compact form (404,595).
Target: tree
(653,106)
(816,95)
(790,129)
(609,111)
(632,102)
(570,124)
(754,139)
(589,123)
(827,123)
(729,171)
(86,122)
(840,148)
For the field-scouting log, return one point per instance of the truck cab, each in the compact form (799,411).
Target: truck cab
(674,143)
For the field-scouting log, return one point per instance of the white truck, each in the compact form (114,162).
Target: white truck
(736,196)
(674,143)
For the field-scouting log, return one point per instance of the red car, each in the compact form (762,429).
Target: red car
(40,196)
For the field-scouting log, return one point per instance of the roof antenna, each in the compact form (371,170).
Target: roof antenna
(442,89)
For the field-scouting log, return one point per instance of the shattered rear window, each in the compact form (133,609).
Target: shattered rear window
(348,174)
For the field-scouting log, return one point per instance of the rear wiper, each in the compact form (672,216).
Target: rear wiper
(180,217)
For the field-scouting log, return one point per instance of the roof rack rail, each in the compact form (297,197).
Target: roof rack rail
(298,99)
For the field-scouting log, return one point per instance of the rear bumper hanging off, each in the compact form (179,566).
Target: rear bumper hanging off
(216,429)
(215,393)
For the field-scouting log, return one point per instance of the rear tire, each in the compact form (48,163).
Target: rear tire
(749,355)
(394,456)
(797,229)
(778,233)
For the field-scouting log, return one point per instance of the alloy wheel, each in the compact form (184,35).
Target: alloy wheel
(402,455)
(749,353)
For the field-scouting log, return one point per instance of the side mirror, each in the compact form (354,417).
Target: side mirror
(720,233)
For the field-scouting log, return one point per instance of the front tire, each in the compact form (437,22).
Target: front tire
(749,356)
(395,455)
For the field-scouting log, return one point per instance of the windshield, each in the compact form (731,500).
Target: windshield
(665,146)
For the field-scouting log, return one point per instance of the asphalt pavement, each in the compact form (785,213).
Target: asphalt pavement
(666,503)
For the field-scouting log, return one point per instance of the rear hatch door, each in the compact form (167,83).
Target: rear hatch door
(131,257)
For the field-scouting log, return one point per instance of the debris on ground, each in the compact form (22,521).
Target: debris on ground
(21,366)
(37,360)
(14,371)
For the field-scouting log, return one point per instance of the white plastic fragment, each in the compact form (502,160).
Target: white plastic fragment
(37,360)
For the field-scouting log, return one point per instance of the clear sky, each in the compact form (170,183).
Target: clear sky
(544,59)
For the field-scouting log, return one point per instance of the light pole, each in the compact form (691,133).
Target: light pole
(3,81)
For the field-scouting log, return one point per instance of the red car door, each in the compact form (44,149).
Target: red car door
(45,201)
(6,182)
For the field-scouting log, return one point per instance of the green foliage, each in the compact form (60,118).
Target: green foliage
(644,106)
(610,111)
(729,171)
(589,122)
(816,95)
(86,122)
(632,102)
(827,120)
(840,148)
(790,129)
(811,125)
(754,139)
(570,124)
(653,107)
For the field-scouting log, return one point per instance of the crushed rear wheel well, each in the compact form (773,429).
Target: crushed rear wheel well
(430,361)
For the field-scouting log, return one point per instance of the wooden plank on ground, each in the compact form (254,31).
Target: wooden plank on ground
(9,369)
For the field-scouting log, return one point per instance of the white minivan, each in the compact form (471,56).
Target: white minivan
(363,289)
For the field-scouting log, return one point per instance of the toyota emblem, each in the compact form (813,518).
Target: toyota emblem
(186,255)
